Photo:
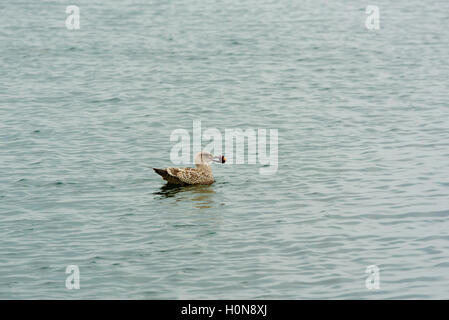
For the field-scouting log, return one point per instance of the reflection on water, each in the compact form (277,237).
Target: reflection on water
(200,194)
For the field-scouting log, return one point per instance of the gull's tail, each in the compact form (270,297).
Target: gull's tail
(161,172)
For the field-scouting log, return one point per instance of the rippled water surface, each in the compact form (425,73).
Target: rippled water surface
(363,175)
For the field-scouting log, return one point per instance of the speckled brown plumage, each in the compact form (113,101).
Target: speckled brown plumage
(202,174)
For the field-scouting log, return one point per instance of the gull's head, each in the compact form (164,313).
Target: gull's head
(205,157)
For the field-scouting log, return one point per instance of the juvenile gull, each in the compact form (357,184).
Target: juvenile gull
(202,174)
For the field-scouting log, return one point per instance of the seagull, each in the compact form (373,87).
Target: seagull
(202,174)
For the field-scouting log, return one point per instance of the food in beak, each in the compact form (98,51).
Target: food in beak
(219,159)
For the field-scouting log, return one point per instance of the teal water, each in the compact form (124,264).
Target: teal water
(363,124)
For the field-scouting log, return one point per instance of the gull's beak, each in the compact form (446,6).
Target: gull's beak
(219,159)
